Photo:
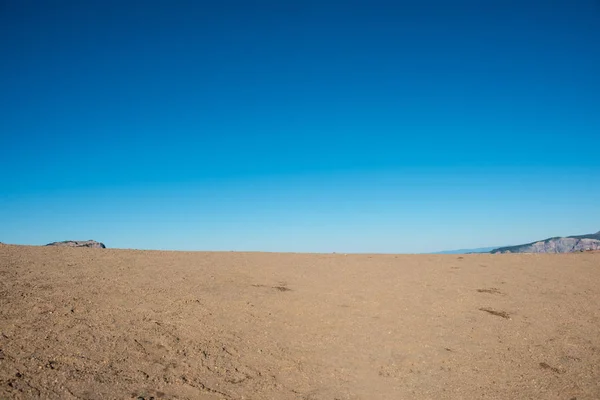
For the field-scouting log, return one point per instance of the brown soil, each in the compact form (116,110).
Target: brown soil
(119,324)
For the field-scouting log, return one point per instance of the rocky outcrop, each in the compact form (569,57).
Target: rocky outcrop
(569,244)
(79,243)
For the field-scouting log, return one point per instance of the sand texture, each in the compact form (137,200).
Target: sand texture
(79,323)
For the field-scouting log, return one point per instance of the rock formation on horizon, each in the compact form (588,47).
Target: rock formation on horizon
(569,244)
(79,243)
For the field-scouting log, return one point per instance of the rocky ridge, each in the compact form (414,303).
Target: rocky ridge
(569,244)
(79,243)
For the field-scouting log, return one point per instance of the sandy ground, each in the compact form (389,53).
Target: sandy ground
(104,324)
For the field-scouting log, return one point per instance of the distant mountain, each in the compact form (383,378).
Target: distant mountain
(569,244)
(467,251)
(79,243)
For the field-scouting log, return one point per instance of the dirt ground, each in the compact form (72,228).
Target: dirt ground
(120,324)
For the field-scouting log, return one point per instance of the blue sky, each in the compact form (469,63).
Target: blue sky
(357,126)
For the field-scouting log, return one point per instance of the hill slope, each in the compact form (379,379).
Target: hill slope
(567,244)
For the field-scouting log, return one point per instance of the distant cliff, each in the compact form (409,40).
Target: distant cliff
(79,243)
(567,244)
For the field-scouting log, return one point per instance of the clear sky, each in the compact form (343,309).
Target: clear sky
(347,126)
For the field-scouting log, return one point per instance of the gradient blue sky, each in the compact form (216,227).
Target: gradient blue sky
(348,126)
